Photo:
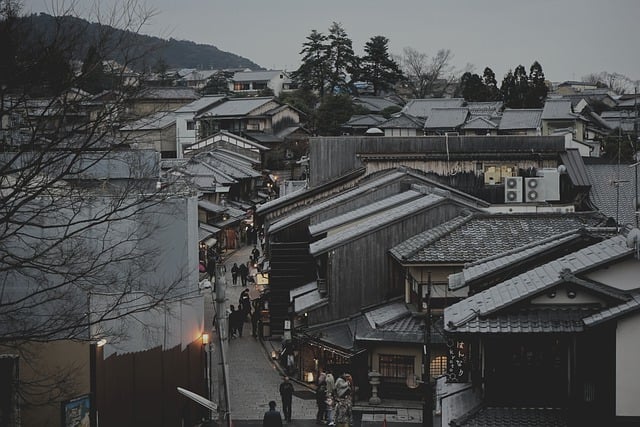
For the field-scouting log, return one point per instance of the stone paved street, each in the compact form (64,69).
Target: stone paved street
(253,377)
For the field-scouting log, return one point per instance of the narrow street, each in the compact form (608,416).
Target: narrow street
(253,377)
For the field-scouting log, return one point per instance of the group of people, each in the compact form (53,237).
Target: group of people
(333,398)
(244,312)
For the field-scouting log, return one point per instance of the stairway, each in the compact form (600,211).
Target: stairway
(291,266)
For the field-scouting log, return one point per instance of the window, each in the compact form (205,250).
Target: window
(438,366)
(191,125)
(395,368)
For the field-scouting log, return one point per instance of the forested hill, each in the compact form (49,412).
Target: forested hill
(172,53)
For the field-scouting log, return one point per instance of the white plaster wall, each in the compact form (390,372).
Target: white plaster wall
(183,135)
(625,275)
(627,372)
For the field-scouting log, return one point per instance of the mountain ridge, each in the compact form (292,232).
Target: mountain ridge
(171,52)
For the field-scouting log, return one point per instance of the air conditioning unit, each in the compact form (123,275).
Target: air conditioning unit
(534,190)
(551,183)
(513,189)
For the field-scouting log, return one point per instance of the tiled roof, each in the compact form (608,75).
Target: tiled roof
(576,169)
(446,118)
(482,267)
(614,312)
(613,190)
(363,212)
(258,76)
(422,107)
(365,120)
(485,108)
(402,121)
(558,319)
(374,103)
(340,198)
(236,107)
(159,120)
(513,119)
(374,223)
(513,417)
(483,235)
(183,93)
(480,123)
(201,103)
(558,109)
(534,281)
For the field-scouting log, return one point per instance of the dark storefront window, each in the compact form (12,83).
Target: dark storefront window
(396,368)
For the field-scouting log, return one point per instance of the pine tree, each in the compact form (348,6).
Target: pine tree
(537,87)
(489,80)
(343,63)
(472,88)
(314,70)
(377,67)
(508,89)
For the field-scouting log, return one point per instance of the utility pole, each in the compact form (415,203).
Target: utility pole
(224,409)
(427,404)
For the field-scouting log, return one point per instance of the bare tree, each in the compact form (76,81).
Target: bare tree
(81,213)
(429,76)
(616,82)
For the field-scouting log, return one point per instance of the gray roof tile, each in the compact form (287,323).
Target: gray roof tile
(483,235)
(448,118)
(236,107)
(535,281)
(363,212)
(375,222)
(558,109)
(613,200)
(422,107)
(513,417)
(513,119)
(332,201)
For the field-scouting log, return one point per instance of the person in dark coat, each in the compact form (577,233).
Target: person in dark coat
(272,417)
(234,273)
(255,318)
(286,393)
(321,401)
(255,254)
(244,272)
(244,304)
(232,321)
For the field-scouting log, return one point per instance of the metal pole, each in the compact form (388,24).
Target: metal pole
(427,404)
(224,410)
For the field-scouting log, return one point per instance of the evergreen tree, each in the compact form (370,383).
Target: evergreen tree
(521,86)
(343,63)
(94,79)
(489,80)
(537,87)
(508,89)
(314,69)
(472,87)
(377,66)
(332,113)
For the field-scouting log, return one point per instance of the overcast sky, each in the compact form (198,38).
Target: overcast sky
(570,38)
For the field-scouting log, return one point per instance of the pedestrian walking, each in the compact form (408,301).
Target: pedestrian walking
(272,417)
(321,401)
(244,304)
(286,393)
(255,318)
(243,270)
(232,319)
(234,273)
(255,254)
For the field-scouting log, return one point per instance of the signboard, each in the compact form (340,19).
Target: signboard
(457,361)
(77,412)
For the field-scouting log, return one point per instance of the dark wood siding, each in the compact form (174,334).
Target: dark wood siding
(359,272)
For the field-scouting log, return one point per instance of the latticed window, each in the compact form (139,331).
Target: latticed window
(438,366)
(395,368)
